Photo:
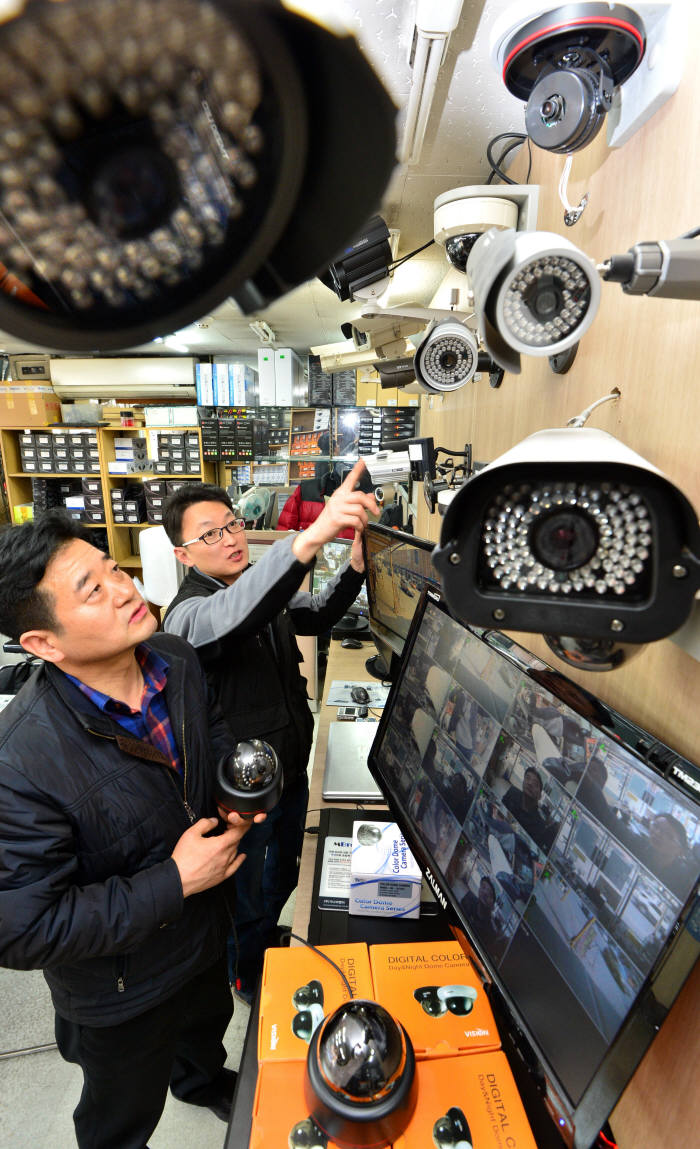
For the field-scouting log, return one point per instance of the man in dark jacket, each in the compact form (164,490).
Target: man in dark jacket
(243,621)
(112,879)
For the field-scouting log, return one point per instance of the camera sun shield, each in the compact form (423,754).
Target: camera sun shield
(575,544)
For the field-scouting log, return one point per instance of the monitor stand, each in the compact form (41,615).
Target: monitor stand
(377,667)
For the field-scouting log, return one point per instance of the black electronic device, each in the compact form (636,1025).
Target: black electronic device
(359,695)
(351,643)
(567,863)
(249,780)
(398,566)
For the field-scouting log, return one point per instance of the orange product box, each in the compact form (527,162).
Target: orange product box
(434,991)
(467,1101)
(299,988)
(280,1114)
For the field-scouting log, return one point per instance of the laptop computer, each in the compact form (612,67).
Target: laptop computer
(346,777)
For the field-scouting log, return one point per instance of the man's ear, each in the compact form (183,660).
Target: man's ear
(42,643)
(183,556)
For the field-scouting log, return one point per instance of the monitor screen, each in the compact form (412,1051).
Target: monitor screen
(568,866)
(331,557)
(398,566)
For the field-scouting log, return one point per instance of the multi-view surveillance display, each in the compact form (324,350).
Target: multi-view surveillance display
(567,858)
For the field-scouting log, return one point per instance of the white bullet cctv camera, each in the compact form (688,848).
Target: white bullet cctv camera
(446,358)
(571,533)
(534,293)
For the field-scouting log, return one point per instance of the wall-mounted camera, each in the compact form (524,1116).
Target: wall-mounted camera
(187,153)
(534,293)
(446,358)
(462,214)
(566,63)
(571,534)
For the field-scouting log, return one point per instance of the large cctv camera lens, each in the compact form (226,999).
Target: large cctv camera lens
(581,540)
(544,302)
(564,540)
(447,357)
(140,158)
(156,159)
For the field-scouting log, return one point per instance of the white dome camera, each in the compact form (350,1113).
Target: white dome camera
(461,215)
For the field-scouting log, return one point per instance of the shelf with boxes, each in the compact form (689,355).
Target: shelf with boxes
(140,469)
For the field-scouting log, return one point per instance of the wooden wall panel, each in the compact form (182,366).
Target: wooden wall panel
(649,348)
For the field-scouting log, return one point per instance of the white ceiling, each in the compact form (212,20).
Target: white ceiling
(471,105)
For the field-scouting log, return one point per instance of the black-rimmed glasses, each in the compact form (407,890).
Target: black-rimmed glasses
(216,534)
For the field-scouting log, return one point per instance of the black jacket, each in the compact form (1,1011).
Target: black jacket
(89,817)
(245,636)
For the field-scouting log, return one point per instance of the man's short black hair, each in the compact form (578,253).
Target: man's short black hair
(538,776)
(184,497)
(25,553)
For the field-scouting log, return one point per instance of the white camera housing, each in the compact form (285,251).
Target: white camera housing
(571,533)
(446,358)
(388,467)
(462,214)
(534,293)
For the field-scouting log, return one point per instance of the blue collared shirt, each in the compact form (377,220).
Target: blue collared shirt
(151,722)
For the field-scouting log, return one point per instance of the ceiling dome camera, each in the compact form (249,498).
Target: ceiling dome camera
(167,155)
(565,63)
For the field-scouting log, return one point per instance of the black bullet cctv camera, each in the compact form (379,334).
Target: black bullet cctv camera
(171,154)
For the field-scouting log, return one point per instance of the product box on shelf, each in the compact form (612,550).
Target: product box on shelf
(280,1114)
(434,991)
(465,1101)
(22,406)
(299,987)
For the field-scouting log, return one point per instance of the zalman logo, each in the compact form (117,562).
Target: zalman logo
(436,890)
(686,778)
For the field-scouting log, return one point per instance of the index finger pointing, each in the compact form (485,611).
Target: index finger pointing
(354,475)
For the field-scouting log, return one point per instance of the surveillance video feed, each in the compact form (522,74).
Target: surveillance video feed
(568,860)
(398,568)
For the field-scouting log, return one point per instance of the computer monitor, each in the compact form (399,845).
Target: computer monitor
(567,864)
(398,566)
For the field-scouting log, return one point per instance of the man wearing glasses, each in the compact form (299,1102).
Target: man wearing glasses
(243,620)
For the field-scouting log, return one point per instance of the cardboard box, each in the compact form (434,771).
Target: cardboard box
(280,1113)
(385,879)
(467,1101)
(434,991)
(299,988)
(28,406)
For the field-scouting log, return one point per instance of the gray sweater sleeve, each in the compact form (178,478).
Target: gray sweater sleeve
(253,600)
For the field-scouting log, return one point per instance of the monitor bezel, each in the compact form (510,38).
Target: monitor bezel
(574,1124)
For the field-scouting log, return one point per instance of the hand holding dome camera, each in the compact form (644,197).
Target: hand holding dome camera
(249,780)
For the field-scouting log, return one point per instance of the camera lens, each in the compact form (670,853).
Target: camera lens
(447,358)
(545,301)
(552,110)
(457,248)
(133,192)
(568,538)
(564,540)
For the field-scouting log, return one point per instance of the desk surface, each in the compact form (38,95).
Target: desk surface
(661,1104)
